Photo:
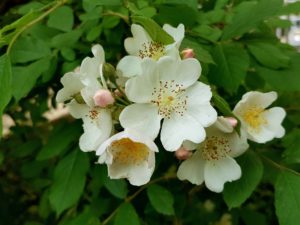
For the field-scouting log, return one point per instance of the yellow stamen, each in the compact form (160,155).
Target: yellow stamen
(254,117)
(126,151)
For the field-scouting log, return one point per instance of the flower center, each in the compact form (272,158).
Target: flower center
(93,114)
(215,148)
(169,97)
(152,49)
(254,117)
(125,151)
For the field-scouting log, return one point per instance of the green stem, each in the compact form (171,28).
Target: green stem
(15,37)
(112,13)
(135,194)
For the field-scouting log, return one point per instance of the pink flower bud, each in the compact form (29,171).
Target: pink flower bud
(103,98)
(188,53)
(182,153)
(232,121)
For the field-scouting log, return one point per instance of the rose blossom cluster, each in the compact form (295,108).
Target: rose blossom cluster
(155,93)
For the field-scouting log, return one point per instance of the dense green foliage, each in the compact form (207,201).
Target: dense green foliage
(46,179)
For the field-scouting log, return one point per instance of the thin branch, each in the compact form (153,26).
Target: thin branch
(278,166)
(112,13)
(135,194)
(25,27)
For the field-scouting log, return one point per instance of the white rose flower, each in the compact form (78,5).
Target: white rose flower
(213,161)
(169,90)
(97,121)
(260,124)
(129,155)
(141,46)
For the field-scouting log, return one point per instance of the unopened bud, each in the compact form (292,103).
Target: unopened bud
(78,98)
(118,93)
(103,98)
(188,53)
(182,153)
(232,121)
(109,71)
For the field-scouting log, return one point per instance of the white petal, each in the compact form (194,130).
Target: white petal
(95,131)
(199,93)
(185,72)
(179,128)
(216,173)
(172,52)
(136,174)
(90,70)
(177,33)
(140,89)
(275,117)
(98,52)
(77,110)
(134,44)
(88,93)
(262,135)
(192,169)
(198,105)
(130,66)
(143,118)
(141,174)
(72,85)
(238,144)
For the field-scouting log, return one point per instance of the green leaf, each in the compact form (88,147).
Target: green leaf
(69,180)
(66,40)
(221,4)
(237,192)
(291,8)
(287,198)
(5,85)
(9,31)
(269,55)
(126,214)
(94,33)
(284,79)
(211,17)
(27,148)
(232,62)
(59,140)
(292,144)
(27,49)
(200,53)
(248,15)
(176,15)
(86,218)
(30,6)
(91,4)
(68,53)
(153,29)
(161,199)
(251,217)
(25,77)
(190,3)
(61,19)
(1,158)
(207,32)
(118,188)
